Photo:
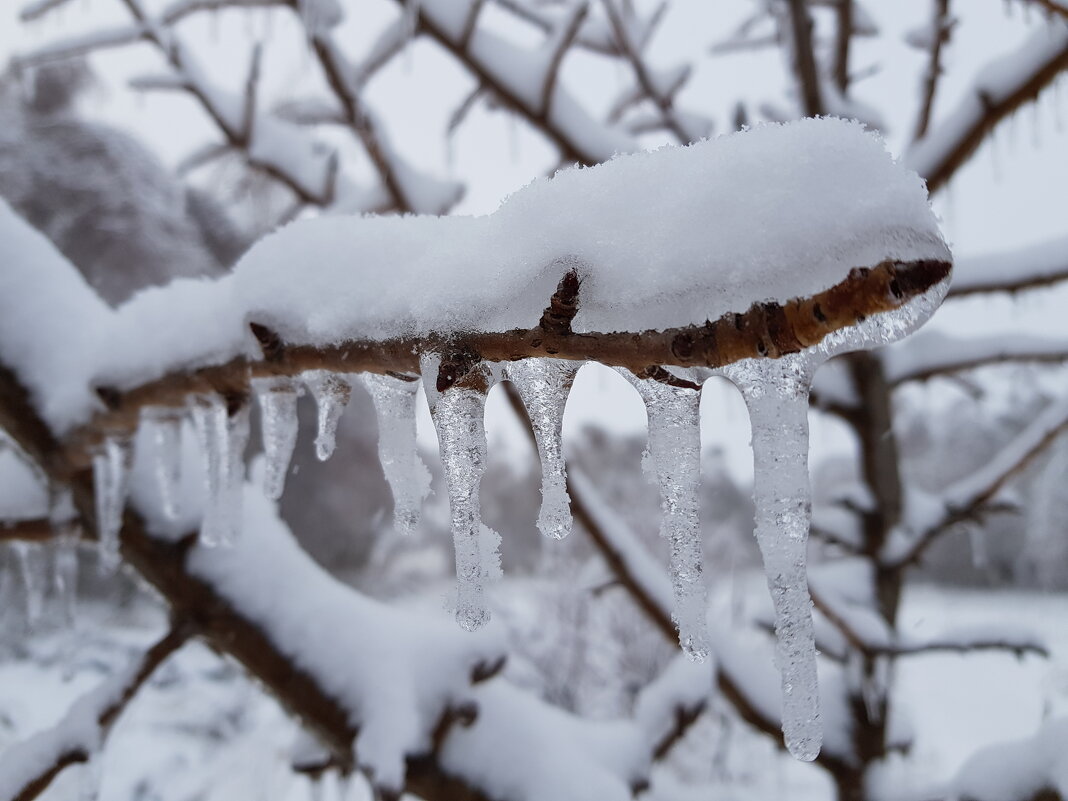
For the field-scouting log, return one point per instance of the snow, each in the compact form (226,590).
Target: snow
(675,453)
(705,252)
(544,384)
(379,671)
(933,352)
(1018,770)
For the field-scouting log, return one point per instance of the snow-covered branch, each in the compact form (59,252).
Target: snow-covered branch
(1031,267)
(1000,88)
(27,768)
(37,530)
(933,354)
(969,498)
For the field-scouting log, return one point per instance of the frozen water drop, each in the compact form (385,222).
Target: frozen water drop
(165,427)
(675,459)
(223,437)
(458,418)
(776,393)
(394,401)
(111,465)
(544,384)
(278,420)
(332,393)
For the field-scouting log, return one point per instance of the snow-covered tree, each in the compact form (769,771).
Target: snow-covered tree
(756,258)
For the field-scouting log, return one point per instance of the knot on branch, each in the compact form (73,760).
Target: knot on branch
(270,343)
(563,306)
(658,373)
(455,366)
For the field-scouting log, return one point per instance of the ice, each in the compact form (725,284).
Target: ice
(31,570)
(165,426)
(675,458)
(278,420)
(65,574)
(111,466)
(332,393)
(223,437)
(394,400)
(458,418)
(544,384)
(776,393)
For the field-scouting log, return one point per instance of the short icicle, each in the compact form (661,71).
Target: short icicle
(544,384)
(776,393)
(332,393)
(165,427)
(238,426)
(394,400)
(111,466)
(458,417)
(278,426)
(675,456)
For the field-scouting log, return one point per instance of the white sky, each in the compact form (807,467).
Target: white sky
(1012,193)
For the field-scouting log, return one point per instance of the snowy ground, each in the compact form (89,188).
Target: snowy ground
(201,731)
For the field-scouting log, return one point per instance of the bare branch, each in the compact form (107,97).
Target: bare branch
(941,28)
(932,355)
(843,40)
(805,58)
(68,743)
(558,45)
(248,111)
(40,530)
(1052,8)
(973,496)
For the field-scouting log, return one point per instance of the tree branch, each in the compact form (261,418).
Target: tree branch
(941,27)
(808,78)
(765,330)
(69,742)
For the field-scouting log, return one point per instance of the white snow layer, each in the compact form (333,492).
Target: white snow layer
(665,238)
(1019,770)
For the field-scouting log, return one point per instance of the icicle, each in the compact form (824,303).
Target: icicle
(394,401)
(977,545)
(237,436)
(278,426)
(33,580)
(111,466)
(776,393)
(675,457)
(223,438)
(165,426)
(332,394)
(90,778)
(544,384)
(458,418)
(411,12)
(65,574)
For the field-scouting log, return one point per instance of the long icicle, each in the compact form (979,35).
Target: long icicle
(544,384)
(458,417)
(776,393)
(394,401)
(210,423)
(675,454)
(237,436)
(111,465)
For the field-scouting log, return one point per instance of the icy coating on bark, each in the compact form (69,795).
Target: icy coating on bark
(674,455)
(332,393)
(544,384)
(278,429)
(111,466)
(394,401)
(776,393)
(165,427)
(458,415)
